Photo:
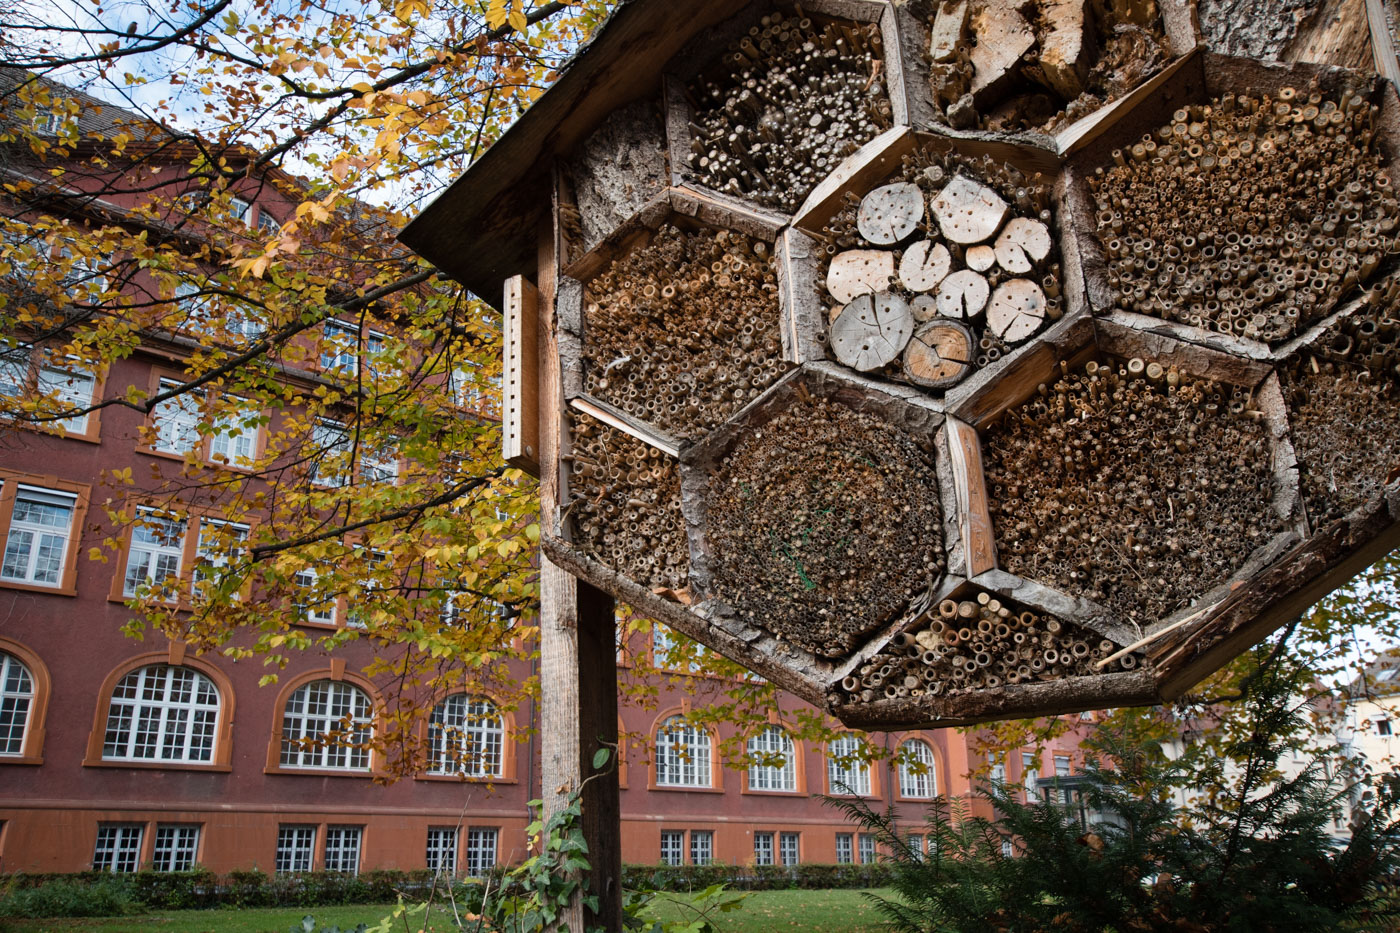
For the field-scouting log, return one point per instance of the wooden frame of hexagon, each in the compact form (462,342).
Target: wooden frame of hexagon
(1286,572)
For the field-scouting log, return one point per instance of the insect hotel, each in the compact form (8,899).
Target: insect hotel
(941,362)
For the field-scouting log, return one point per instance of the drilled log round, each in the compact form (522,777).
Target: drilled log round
(1017,310)
(980,258)
(890,214)
(859,272)
(969,212)
(924,308)
(939,355)
(872,331)
(963,295)
(1023,245)
(923,266)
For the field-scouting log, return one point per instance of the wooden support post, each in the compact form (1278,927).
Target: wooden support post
(578,660)
(578,716)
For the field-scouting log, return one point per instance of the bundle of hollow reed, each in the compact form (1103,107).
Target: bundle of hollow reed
(824,524)
(962,247)
(626,504)
(978,643)
(1002,65)
(1343,394)
(784,105)
(683,332)
(1248,216)
(1131,485)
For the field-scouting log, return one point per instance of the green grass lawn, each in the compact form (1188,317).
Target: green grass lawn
(787,911)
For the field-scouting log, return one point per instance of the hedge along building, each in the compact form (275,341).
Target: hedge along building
(940,364)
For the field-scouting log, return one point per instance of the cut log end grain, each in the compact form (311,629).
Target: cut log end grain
(890,214)
(1023,245)
(1017,310)
(962,295)
(924,265)
(939,355)
(859,272)
(968,212)
(924,308)
(949,30)
(980,258)
(872,331)
(1003,37)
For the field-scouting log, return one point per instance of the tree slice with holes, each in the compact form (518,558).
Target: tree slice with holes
(890,214)
(962,295)
(1023,245)
(939,355)
(872,331)
(980,258)
(924,265)
(968,212)
(859,272)
(1017,310)
(924,308)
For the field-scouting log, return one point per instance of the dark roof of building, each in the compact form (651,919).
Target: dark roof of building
(485,227)
(95,115)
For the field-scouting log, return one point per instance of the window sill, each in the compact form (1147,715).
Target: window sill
(90,437)
(39,588)
(364,774)
(676,788)
(462,779)
(214,767)
(162,454)
(21,760)
(774,793)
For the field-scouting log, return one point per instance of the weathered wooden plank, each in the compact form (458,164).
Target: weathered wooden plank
(801,312)
(974,517)
(520,373)
(643,432)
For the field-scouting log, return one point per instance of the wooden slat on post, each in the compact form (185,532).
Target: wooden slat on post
(520,377)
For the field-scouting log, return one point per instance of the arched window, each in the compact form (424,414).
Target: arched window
(682,754)
(327,724)
(466,735)
(162,712)
(16,700)
(766,773)
(916,777)
(846,772)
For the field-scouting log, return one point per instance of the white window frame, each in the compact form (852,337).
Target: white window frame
(150,540)
(845,849)
(789,848)
(234,439)
(682,754)
(267,223)
(175,421)
(16,704)
(316,734)
(913,785)
(357,615)
(1030,776)
(672,847)
(763,848)
(665,645)
(855,776)
(240,209)
(176,847)
(74,388)
(865,848)
(773,740)
(336,356)
(296,849)
(42,537)
(466,736)
(482,844)
(323,613)
(165,713)
(330,440)
(996,767)
(380,466)
(118,847)
(212,557)
(702,846)
(441,856)
(342,853)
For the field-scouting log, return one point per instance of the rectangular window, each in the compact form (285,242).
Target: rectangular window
(343,849)
(1382,725)
(481,850)
(1007,849)
(442,850)
(118,847)
(380,466)
(702,846)
(845,851)
(41,526)
(1030,776)
(1062,771)
(296,846)
(239,209)
(996,769)
(73,388)
(217,541)
(317,613)
(176,847)
(866,843)
(340,347)
(915,842)
(157,544)
(672,847)
(241,320)
(788,848)
(175,420)
(329,454)
(360,611)
(235,437)
(763,848)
